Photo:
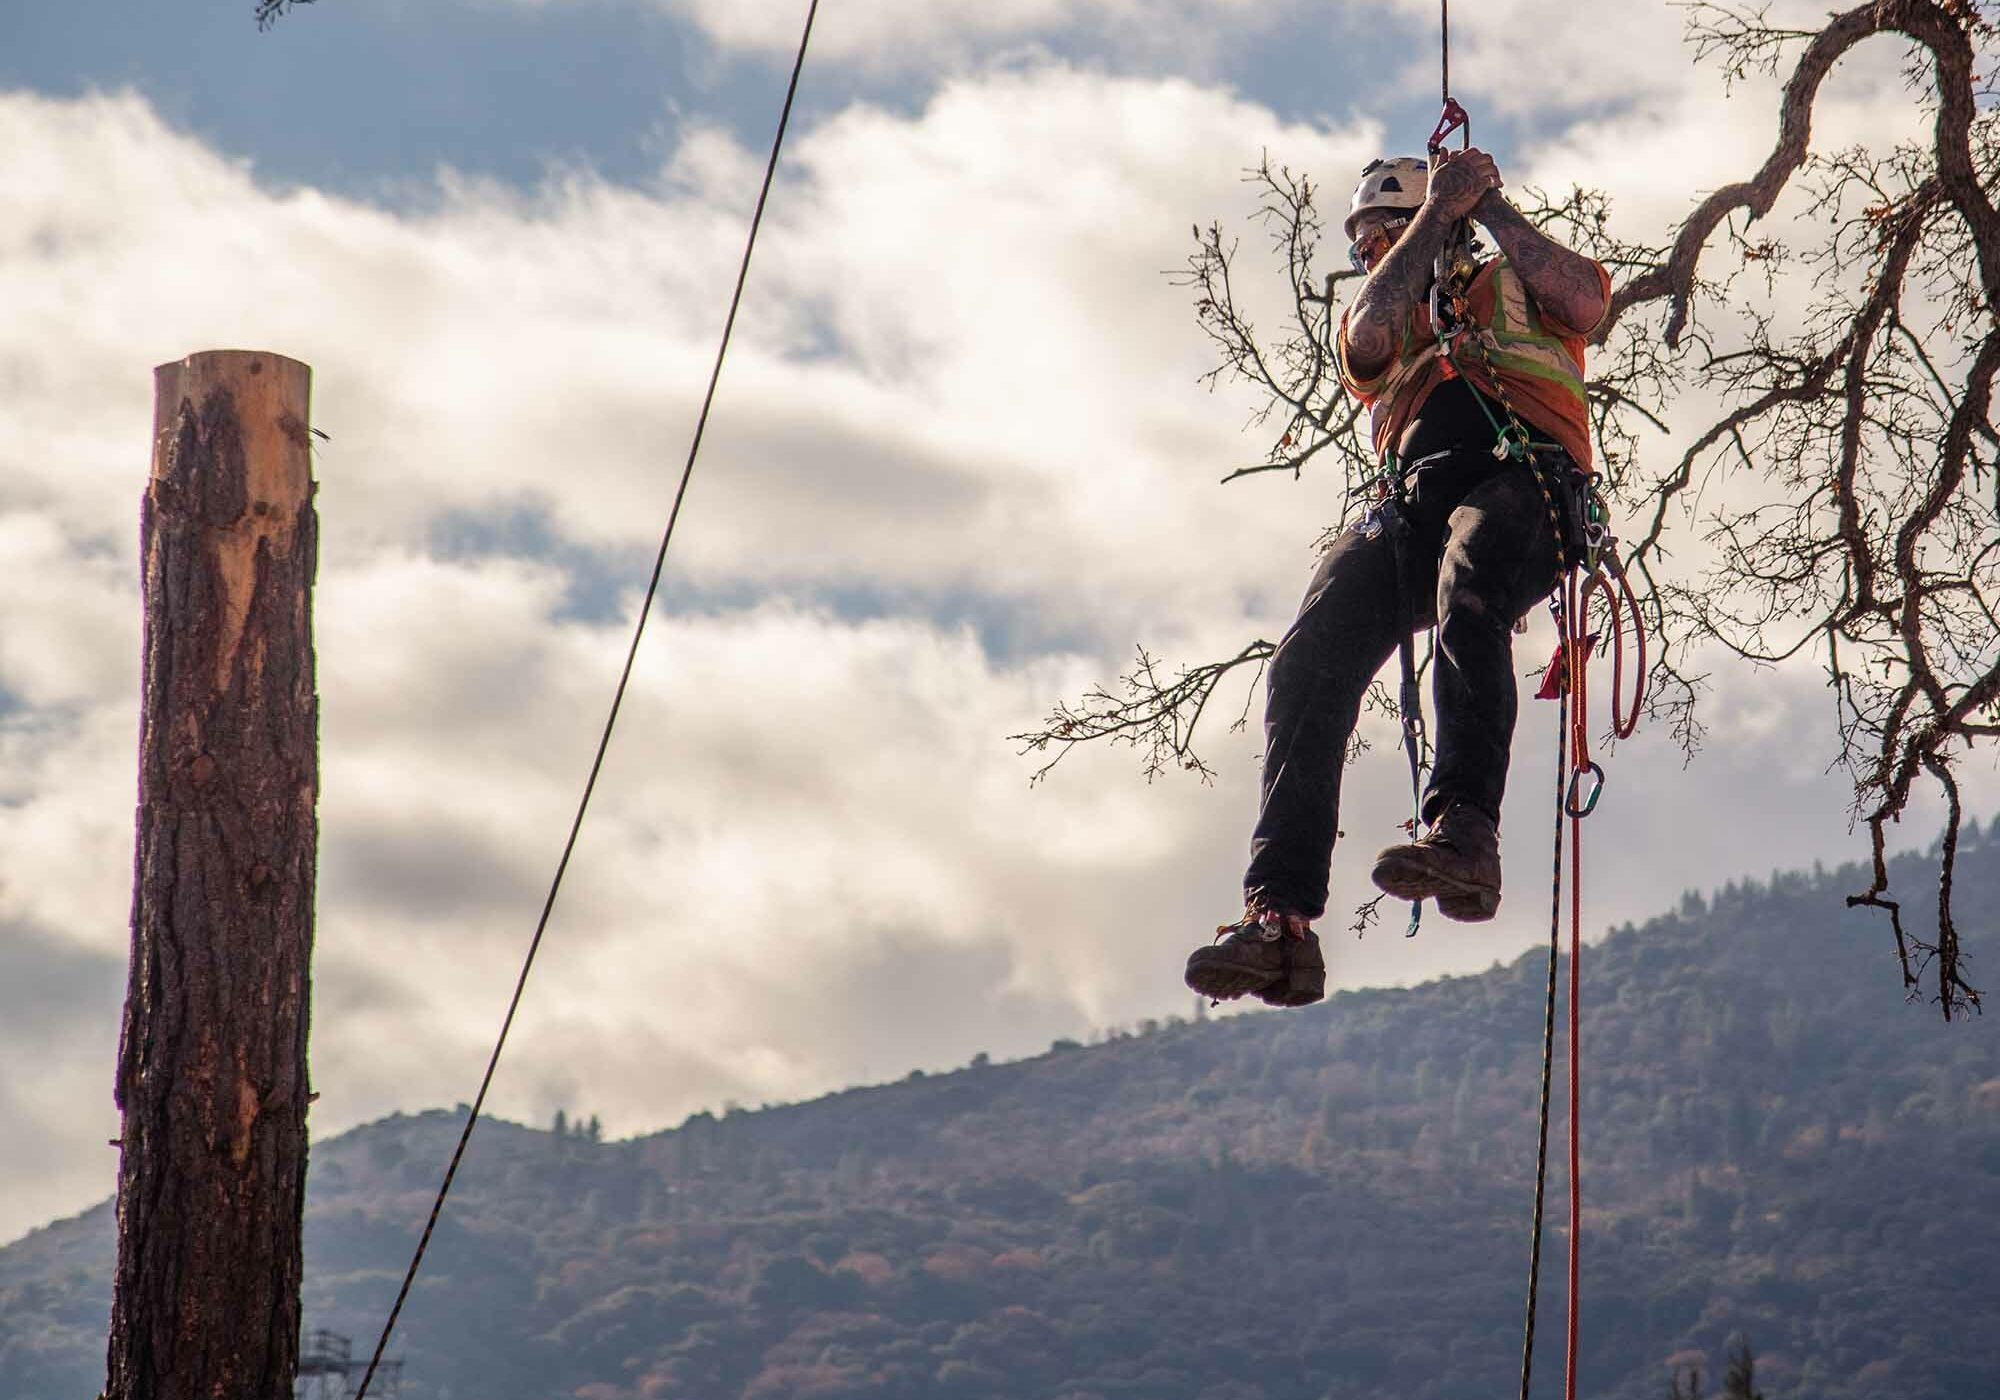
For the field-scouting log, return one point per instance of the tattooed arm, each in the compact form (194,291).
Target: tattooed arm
(1400,281)
(1382,307)
(1567,286)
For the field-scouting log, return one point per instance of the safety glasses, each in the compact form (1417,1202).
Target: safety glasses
(1374,243)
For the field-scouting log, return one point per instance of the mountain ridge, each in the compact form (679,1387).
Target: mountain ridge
(1774,1144)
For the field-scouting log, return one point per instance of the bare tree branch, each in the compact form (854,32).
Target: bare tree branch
(269,10)
(1150,711)
(1852,457)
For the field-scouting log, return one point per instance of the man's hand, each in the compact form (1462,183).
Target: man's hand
(1397,284)
(1461,181)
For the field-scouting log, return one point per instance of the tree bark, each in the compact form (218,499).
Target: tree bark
(212,1077)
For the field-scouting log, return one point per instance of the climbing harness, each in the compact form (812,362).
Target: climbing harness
(610,722)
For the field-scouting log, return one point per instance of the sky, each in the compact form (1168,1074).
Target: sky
(960,465)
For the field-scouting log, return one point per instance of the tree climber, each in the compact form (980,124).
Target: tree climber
(1462,535)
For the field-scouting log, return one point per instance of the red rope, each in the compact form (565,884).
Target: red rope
(1573,652)
(1575,1136)
(1622,604)
(1579,642)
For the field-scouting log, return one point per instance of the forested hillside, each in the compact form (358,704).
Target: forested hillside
(1312,1205)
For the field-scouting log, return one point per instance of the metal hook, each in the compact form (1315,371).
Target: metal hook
(1580,809)
(1455,117)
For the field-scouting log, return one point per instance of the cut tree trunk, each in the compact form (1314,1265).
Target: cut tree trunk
(212,1059)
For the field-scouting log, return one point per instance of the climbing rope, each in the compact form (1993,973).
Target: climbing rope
(1454,116)
(1578,523)
(1567,683)
(610,721)
(1548,1058)
(1577,649)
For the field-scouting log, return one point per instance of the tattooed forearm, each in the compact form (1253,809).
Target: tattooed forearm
(1564,284)
(1382,307)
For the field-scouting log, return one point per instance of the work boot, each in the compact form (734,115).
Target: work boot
(1267,953)
(1456,862)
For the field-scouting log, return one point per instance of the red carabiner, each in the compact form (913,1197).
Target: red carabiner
(1454,118)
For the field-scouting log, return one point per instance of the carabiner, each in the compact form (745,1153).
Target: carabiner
(1513,444)
(1580,809)
(1453,119)
(1444,320)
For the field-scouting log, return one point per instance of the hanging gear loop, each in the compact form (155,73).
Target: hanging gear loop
(1623,605)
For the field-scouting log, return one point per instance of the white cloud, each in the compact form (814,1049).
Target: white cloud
(939,35)
(979,408)
(962,397)
(1521,58)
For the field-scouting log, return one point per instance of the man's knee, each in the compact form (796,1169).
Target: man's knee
(1467,612)
(1486,587)
(1463,603)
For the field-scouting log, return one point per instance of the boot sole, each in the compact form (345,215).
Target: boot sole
(1468,908)
(1222,980)
(1305,986)
(1462,900)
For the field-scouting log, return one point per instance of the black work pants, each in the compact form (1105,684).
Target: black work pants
(1477,555)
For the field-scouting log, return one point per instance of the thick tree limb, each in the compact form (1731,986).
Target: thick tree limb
(1852,514)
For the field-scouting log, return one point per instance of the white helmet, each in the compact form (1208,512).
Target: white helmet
(1398,182)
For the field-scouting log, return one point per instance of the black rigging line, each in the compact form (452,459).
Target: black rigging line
(1444,7)
(1548,1045)
(610,721)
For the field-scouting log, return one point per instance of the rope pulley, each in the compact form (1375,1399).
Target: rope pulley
(1455,118)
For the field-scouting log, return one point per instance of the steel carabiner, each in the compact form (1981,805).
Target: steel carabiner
(1583,808)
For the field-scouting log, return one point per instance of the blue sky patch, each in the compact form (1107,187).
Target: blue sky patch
(369,98)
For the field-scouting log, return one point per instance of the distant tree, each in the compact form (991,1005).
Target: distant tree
(1869,538)
(269,10)
(594,1130)
(1740,1381)
(561,1126)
